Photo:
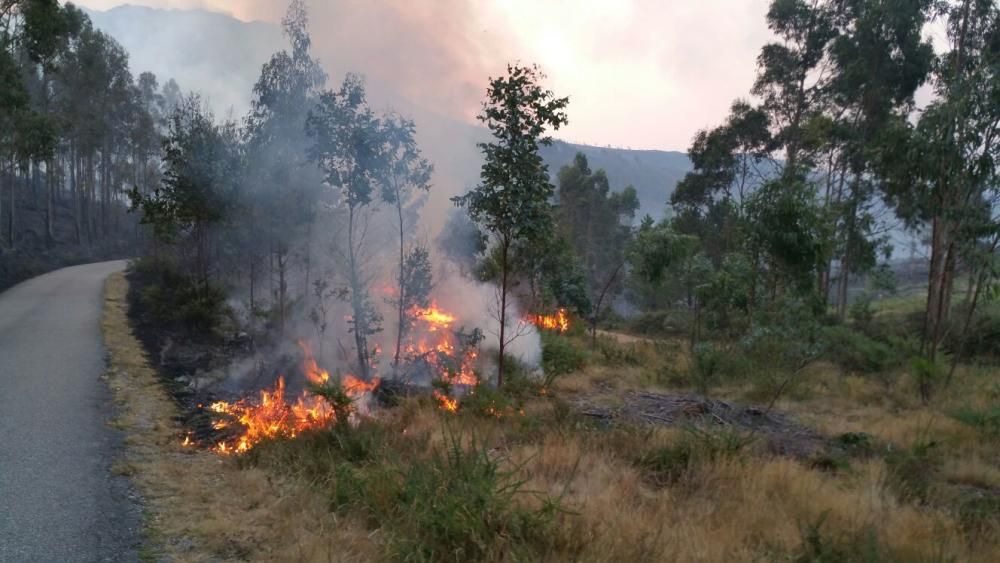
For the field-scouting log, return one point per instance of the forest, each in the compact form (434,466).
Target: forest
(526,368)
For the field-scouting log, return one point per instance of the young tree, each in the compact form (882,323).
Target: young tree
(349,147)
(513,200)
(200,167)
(284,186)
(407,179)
(598,224)
(415,286)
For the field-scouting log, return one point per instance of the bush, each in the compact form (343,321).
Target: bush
(660,323)
(560,356)
(175,298)
(861,311)
(706,365)
(457,502)
(817,547)
(911,471)
(982,339)
(856,352)
(460,505)
(986,420)
(614,353)
(856,443)
(667,464)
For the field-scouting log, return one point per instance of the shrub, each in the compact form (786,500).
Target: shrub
(660,323)
(982,340)
(175,298)
(614,353)
(817,547)
(560,356)
(666,464)
(460,505)
(980,513)
(457,502)
(856,443)
(911,470)
(706,365)
(856,352)
(985,420)
(861,311)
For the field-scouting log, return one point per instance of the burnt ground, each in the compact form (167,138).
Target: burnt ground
(191,366)
(780,434)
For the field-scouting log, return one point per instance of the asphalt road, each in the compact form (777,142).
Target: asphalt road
(59,500)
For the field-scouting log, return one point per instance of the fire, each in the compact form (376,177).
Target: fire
(272,416)
(439,346)
(446,402)
(558,321)
(434,317)
(314,373)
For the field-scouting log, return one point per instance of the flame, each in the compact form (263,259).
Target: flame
(314,373)
(438,345)
(435,318)
(271,416)
(558,321)
(446,402)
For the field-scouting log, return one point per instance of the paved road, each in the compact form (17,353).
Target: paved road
(59,500)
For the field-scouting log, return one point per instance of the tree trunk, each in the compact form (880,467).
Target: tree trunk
(402,289)
(503,310)
(9,174)
(75,194)
(936,282)
(600,300)
(50,182)
(844,281)
(357,302)
(11,235)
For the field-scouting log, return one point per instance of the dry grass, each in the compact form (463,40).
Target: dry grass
(741,507)
(201,507)
(763,508)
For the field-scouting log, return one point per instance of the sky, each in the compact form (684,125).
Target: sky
(641,74)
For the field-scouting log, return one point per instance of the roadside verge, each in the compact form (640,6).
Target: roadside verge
(198,506)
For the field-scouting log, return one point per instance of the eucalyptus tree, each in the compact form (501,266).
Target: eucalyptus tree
(284,185)
(878,60)
(513,200)
(201,162)
(405,184)
(598,225)
(349,146)
(943,170)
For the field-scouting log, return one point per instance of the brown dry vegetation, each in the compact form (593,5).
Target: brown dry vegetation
(200,507)
(345,495)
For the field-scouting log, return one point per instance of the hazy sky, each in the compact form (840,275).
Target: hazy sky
(639,73)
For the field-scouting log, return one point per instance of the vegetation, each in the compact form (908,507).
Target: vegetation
(513,202)
(77,132)
(744,379)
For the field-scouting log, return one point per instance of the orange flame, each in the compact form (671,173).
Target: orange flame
(271,416)
(434,317)
(558,321)
(446,402)
(437,340)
